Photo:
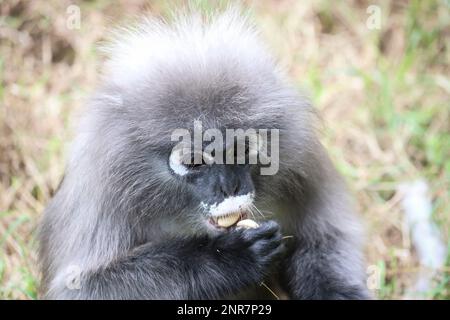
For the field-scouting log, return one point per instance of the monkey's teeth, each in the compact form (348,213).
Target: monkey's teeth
(228,220)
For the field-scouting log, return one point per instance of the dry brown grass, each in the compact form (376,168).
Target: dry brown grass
(383,94)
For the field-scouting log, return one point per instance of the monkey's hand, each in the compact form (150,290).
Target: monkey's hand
(186,268)
(247,255)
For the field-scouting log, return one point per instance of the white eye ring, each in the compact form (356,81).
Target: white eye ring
(255,147)
(208,158)
(176,162)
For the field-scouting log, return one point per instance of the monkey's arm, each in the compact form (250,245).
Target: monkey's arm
(191,268)
(323,270)
(326,259)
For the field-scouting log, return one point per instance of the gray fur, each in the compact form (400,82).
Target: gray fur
(125,220)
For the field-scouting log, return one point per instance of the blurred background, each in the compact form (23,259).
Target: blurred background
(378,72)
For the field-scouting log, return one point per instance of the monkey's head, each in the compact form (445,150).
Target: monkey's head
(160,127)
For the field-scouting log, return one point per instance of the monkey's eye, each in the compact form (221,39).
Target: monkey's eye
(182,161)
(242,150)
(193,165)
(197,160)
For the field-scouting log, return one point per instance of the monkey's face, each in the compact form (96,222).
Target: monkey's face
(227,193)
(224,192)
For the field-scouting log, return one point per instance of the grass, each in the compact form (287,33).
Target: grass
(384,96)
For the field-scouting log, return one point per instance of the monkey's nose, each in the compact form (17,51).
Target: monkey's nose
(229,184)
(230,188)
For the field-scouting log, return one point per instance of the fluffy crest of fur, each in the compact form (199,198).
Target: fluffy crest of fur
(194,41)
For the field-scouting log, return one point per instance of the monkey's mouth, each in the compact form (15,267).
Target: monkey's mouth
(227,220)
